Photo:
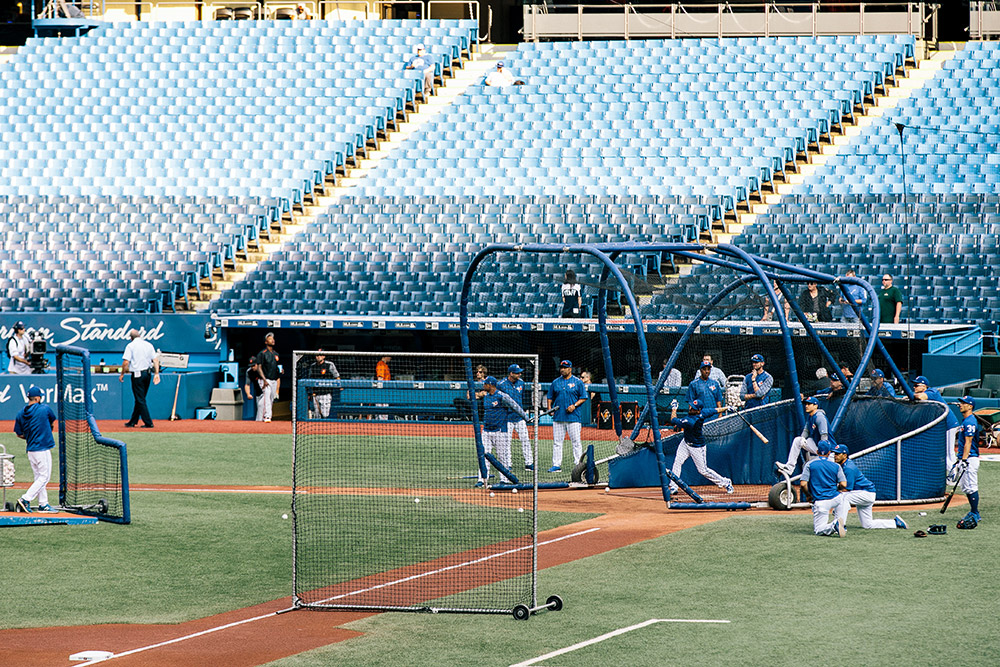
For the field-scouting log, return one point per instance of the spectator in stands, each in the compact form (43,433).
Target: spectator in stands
(890,301)
(879,386)
(571,295)
(822,383)
(268,379)
(858,296)
(674,377)
(302,14)
(139,357)
(18,349)
(715,373)
(815,302)
(422,62)
(501,78)
(769,310)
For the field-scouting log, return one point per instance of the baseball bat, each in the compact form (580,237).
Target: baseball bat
(177,390)
(753,428)
(953,489)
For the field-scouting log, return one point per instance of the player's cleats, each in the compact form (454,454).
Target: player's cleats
(839,527)
(529,466)
(729,487)
(479,484)
(784,468)
(23,505)
(45,508)
(899,522)
(555,469)
(674,490)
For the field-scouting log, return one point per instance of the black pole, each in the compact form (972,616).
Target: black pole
(909,249)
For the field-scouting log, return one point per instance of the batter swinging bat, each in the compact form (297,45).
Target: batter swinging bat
(953,489)
(753,428)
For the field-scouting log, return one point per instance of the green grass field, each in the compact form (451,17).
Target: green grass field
(875,598)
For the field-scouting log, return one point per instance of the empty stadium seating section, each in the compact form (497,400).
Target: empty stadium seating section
(140,160)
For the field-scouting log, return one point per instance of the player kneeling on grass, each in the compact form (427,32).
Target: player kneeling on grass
(861,492)
(495,436)
(34,425)
(825,480)
(693,444)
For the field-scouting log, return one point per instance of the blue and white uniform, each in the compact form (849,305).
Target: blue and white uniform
(861,494)
(692,446)
(760,387)
(707,392)
(515,422)
(970,480)
(822,475)
(817,428)
(34,424)
(952,424)
(495,424)
(563,393)
(884,389)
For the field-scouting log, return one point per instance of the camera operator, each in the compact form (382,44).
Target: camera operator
(19,349)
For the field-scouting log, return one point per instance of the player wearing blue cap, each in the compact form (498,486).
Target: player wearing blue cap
(513,386)
(566,394)
(922,392)
(33,424)
(495,422)
(757,384)
(879,386)
(861,492)
(703,388)
(692,445)
(826,480)
(968,455)
(817,429)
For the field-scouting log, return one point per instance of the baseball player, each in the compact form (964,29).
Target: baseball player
(922,392)
(322,397)
(817,429)
(566,394)
(692,445)
(33,424)
(703,388)
(880,386)
(495,423)
(826,480)
(968,455)
(757,384)
(513,386)
(861,492)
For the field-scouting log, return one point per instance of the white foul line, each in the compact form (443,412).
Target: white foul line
(390,583)
(609,635)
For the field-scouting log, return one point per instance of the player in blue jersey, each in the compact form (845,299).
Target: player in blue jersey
(692,445)
(33,424)
(817,428)
(968,455)
(861,492)
(922,392)
(880,387)
(566,394)
(513,386)
(757,384)
(826,480)
(704,389)
(495,423)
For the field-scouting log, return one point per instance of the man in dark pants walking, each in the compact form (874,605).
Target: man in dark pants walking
(140,359)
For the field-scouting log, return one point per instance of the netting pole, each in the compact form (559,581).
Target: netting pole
(469,377)
(602,327)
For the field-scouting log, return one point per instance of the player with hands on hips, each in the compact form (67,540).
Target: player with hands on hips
(817,429)
(968,456)
(566,394)
(861,492)
(513,386)
(825,481)
(692,445)
(757,384)
(495,434)
(703,388)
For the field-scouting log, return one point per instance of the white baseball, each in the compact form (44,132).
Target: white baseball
(607,489)
(923,514)
(416,500)
(513,490)
(492,494)
(520,509)
(284,516)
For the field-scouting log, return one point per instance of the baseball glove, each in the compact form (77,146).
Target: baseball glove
(967,523)
(938,529)
(920,533)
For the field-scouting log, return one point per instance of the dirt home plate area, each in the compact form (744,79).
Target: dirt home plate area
(256,635)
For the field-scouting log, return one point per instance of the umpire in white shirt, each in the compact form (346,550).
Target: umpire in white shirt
(140,359)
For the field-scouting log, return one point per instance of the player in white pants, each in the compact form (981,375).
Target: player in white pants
(826,480)
(494,434)
(861,493)
(692,445)
(513,386)
(559,432)
(817,428)
(566,393)
(34,425)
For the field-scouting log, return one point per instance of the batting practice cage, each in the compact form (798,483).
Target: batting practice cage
(654,314)
(393,456)
(93,469)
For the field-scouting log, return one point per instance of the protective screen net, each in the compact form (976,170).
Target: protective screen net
(387,509)
(93,469)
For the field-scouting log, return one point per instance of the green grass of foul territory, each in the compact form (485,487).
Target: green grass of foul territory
(879,597)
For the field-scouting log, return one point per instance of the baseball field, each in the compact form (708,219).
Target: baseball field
(198,576)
